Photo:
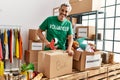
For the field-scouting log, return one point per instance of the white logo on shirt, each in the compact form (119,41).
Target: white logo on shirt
(63,28)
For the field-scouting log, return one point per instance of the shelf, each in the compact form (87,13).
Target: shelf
(106,71)
(79,19)
(85,13)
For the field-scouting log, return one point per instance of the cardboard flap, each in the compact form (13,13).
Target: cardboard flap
(98,52)
(56,52)
(77,55)
(93,53)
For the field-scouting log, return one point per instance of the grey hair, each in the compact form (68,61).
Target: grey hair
(67,5)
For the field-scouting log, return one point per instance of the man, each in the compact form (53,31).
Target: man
(58,27)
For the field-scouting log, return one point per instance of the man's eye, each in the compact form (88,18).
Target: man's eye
(64,10)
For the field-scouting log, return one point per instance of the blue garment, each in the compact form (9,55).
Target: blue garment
(8,33)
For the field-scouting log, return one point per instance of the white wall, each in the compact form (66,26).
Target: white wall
(26,13)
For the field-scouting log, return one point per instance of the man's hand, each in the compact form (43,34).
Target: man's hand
(47,44)
(70,52)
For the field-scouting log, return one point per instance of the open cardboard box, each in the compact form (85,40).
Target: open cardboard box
(85,31)
(86,60)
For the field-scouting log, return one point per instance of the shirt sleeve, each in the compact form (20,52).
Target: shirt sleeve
(44,25)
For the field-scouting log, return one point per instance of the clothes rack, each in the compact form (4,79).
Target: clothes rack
(16,65)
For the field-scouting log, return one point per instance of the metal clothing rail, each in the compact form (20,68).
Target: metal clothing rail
(10,26)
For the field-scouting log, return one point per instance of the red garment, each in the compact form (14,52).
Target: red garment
(1,56)
(11,54)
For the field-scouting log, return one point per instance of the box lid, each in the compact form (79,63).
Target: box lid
(93,53)
(55,52)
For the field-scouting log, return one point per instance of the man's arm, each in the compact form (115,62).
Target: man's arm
(42,37)
(70,42)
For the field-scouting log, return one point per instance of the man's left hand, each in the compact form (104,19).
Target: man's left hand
(70,52)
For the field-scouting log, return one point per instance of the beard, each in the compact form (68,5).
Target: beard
(61,14)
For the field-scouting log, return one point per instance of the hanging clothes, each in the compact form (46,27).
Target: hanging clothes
(10,47)
(16,44)
(20,46)
(3,46)
(6,45)
(1,52)
(8,36)
(13,42)
(1,68)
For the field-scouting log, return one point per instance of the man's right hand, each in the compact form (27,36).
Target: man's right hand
(47,44)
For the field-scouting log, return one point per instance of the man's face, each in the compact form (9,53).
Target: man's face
(63,12)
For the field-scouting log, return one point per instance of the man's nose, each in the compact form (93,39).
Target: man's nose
(64,12)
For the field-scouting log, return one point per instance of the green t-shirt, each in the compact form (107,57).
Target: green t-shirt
(57,29)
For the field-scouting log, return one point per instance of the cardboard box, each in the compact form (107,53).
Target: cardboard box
(86,60)
(35,66)
(54,63)
(80,6)
(31,56)
(85,31)
(35,45)
(33,35)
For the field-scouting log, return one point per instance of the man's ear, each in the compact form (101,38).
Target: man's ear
(59,9)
